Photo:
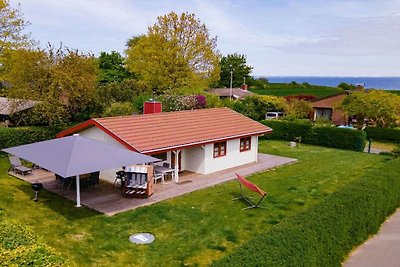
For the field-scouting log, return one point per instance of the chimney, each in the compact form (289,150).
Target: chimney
(152,106)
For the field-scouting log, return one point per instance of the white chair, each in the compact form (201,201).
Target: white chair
(158,176)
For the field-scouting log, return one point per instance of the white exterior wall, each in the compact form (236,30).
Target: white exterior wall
(233,156)
(97,134)
(197,159)
(193,159)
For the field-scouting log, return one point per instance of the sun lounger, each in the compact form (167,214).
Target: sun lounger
(252,187)
(17,167)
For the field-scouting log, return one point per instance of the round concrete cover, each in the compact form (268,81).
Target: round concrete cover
(141,238)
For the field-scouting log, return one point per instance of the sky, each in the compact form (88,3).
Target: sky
(278,37)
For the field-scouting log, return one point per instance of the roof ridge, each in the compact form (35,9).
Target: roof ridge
(161,113)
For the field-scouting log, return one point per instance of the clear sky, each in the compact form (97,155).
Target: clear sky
(279,37)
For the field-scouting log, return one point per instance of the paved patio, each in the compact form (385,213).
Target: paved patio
(108,200)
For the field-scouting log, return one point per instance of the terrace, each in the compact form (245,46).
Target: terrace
(109,200)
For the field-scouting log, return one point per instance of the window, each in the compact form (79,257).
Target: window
(245,144)
(219,149)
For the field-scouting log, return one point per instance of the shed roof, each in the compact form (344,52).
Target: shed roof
(172,130)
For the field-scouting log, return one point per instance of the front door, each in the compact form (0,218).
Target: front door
(179,160)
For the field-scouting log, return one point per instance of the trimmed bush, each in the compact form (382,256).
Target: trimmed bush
(326,233)
(337,138)
(286,130)
(317,135)
(19,247)
(383,134)
(24,135)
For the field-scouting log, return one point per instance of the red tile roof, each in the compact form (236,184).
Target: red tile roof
(173,130)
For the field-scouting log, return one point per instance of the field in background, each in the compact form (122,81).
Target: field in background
(283,89)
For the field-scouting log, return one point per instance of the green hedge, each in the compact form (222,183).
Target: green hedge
(285,130)
(317,135)
(15,136)
(19,247)
(326,233)
(383,134)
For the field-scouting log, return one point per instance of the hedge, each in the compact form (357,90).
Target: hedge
(19,247)
(317,135)
(383,134)
(324,234)
(15,136)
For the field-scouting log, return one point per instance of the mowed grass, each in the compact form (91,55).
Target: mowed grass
(283,89)
(191,230)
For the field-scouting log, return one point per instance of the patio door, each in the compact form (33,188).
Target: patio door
(179,160)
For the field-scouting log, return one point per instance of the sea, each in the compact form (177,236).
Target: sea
(386,83)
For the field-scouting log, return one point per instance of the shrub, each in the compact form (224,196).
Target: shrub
(119,109)
(317,135)
(383,134)
(24,135)
(285,130)
(19,247)
(179,102)
(256,106)
(337,138)
(327,232)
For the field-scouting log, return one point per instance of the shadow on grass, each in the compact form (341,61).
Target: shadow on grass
(60,205)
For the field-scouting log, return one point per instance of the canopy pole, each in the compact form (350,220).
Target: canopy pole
(78,192)
(176,173)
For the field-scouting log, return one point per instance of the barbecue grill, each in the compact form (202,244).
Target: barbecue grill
(36,186)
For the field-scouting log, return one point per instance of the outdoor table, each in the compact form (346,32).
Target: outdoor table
(164,170)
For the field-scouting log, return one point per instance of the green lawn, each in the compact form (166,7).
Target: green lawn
(282,89)
(190,230)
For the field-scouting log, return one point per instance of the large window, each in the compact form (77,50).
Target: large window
(219,149)
(245,144)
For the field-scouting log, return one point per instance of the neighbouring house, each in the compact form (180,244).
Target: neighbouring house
(236,93)
(328,107)
(201,141)
(10,106)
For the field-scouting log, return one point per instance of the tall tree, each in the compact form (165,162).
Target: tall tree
(112,68)
(12,25)
(58,77)
(237,64)
(176,52)
(382,108)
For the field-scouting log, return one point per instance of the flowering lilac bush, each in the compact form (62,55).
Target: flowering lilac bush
(179,102)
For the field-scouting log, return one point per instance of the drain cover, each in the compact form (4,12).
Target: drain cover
(141,238)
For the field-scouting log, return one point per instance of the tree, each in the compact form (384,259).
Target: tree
(346,86)
(119,109)
(256,106)
(112,68)
(380,107)
(297,109)
(240,70)
(53,76)
(12,26)
(176,52)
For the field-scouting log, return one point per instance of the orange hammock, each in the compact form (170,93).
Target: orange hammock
(252,187)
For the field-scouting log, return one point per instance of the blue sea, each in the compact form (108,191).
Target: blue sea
(387,83)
